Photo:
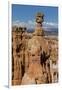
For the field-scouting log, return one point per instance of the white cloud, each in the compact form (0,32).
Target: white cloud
(31,24)
(18,23)
(50,25)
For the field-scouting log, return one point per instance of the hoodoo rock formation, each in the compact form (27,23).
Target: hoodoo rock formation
(32,61)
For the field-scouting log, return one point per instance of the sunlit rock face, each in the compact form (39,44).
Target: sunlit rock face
(34,57)
(38,52)
(38,41)
(18,55)
(34,75)
(35,70)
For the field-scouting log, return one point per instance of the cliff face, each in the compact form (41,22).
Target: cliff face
(32,57)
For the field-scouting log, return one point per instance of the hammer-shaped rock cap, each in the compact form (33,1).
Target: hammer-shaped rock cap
(39,14)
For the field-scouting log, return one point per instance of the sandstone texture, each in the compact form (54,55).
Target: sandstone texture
(34,55)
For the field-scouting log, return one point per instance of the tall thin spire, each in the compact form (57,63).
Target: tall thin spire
(38,29)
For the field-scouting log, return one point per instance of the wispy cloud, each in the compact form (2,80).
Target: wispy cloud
(31,24)
(50,25)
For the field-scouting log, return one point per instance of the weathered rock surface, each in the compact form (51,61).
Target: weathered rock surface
(34,57)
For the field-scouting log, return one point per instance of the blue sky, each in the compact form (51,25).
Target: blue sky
(25,14)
